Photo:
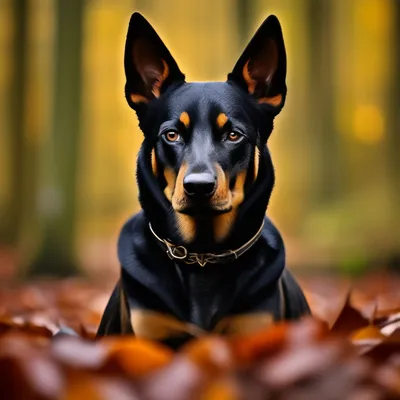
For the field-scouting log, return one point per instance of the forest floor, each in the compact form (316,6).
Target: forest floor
(349,349)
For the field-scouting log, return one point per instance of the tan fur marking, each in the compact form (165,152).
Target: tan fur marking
(185,119)
(179,192)
(221,120)
(187,226)
(154,162)
(156,89)
(138,98)
(153,325)
(256,162)
(223,223)
(244,323)
(238,189)
(251,83)
(185,223)
(170,177)
(251,86)
(272,101)
(222,195)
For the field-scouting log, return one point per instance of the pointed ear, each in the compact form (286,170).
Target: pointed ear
(261,69)
(149,66)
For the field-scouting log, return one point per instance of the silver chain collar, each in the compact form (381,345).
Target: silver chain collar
(180,253)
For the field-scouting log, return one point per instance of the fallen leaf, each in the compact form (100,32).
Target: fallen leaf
(249,348)
(136,357)
(179,380)
(220,389)
(349,320)
(213,354)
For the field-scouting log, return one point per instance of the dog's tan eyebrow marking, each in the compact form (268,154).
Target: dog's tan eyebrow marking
(272,101)
(138,98)
(185,119)
(222,119)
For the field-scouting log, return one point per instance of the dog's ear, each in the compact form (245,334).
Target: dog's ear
(261,69)
(149,67)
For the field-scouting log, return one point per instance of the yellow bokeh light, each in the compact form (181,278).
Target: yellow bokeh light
(368,124)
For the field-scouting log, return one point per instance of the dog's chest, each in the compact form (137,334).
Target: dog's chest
(209,293)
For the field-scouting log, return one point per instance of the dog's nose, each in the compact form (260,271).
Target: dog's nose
(200,184)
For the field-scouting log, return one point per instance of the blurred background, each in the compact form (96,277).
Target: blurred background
(68,140)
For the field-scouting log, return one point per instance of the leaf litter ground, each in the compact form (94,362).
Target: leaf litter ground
(349,349)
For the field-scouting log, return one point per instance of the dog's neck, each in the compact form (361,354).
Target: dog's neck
(241,232)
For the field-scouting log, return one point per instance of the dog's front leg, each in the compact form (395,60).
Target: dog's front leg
(294,300)
(115,319)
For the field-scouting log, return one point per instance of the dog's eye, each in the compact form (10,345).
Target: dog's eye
(233,136)
(172,136)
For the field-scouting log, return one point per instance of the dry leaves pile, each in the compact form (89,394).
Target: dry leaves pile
(349,350)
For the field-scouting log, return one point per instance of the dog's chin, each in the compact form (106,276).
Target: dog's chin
(204,210)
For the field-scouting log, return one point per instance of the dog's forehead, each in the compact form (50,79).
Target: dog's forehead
(205,101)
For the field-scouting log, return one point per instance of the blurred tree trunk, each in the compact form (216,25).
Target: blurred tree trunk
(394,135)
(325,140)
(57,253)
(11,226)
(395,101)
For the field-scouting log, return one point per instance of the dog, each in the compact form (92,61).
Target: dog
(202,256)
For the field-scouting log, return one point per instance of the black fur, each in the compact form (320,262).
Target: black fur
(256,281)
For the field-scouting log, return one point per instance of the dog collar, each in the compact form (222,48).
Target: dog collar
(180,252)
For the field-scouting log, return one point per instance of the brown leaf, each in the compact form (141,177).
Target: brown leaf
(367,338)
(384,351)
(307,330)
(20,324)
(220,389)
(384,314)
(179,380)
(213,354)
(349,320)
(78,354)
(391,325)
(88,332)
(369,334)
(136,357)
(85,386)
(295,364)
(326,296)
(250,348)
(388,377)
(26,371)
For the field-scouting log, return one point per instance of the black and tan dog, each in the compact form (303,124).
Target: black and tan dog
(202,256)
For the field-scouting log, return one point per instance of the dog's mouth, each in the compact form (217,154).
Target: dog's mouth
(204,208)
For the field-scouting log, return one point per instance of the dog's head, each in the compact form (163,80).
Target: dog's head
(205,143)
